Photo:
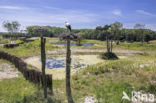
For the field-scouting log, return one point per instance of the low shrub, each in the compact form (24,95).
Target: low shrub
(108,56)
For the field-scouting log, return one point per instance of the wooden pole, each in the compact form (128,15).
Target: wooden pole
(68,63)
(43,59)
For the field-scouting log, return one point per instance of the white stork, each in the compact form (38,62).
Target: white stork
(68,26)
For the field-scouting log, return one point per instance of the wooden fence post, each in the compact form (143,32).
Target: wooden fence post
(68,63)
(43,59)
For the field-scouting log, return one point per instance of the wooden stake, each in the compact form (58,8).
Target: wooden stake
(43,59)
(68,63)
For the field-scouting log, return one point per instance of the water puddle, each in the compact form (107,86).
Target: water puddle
(56,66)
(58,63)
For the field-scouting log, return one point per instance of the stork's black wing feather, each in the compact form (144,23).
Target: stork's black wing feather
(69,27)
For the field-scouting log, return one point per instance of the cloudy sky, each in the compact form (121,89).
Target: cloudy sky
(80,13)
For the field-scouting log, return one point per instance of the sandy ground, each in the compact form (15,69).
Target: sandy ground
(59,73)
(7,72)
(89,57)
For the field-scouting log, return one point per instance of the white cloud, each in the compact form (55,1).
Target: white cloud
(117,12)
(40,16)
(11,7)
(147,26)
(151,26)
(145,13)
(57,16)
(52,8)
(52,18)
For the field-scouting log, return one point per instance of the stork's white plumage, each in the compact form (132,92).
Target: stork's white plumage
(68,26)
(66,23)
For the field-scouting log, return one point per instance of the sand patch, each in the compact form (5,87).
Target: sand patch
(7,72)
(79,62)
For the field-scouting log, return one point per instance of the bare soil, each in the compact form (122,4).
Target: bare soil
(7,72)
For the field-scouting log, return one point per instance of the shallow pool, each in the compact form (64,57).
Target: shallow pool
(56,63)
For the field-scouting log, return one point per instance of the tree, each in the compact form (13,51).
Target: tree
(107,32)
(115,28)
(32,31)
(147,36)
(139,26)
(140,30)
(104,33)
(80,38)
(99,33)
(11,27)
(109,55)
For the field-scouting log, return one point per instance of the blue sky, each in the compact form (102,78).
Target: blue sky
(80,13)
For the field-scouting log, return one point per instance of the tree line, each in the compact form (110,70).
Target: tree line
(116,32)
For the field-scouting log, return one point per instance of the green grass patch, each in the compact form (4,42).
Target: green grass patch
(19,90)
(28,49)
(14,90)
(112,92)
(137,46)
(3,40)
(106,81)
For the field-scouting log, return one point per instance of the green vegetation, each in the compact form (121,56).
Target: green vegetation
(11,27)
(138,34)
(28,49)
(14,90)
(111,78)
(19,90)
(138,46)
(105,81)
(108,56)
(3,41)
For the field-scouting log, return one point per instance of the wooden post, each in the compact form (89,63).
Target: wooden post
(50,84)
(43,59)
(68,63)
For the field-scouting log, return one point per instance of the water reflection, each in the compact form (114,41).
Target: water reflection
(56,63)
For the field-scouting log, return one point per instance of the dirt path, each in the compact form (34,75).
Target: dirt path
(7,72)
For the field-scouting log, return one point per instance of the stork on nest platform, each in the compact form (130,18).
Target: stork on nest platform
(69,35)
